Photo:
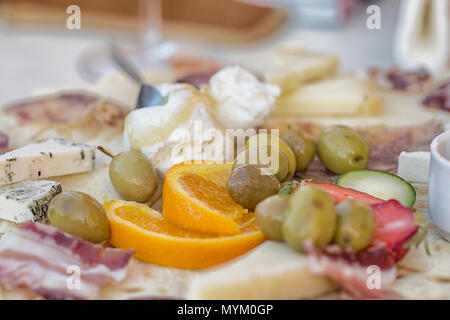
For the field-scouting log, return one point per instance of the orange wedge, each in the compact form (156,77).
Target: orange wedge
(137,226)
(195,197)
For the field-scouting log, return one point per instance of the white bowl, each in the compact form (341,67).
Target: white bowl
(439,184)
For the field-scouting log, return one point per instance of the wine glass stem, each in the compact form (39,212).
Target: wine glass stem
(152,17)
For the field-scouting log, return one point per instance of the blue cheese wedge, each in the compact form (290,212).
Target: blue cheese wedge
(27,200)
(54,157)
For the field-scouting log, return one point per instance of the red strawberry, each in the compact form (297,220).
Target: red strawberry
(340,194)
(395,224)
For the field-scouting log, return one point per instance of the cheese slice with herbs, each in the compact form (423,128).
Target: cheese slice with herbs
(271,271)
(54,157)
(26,201)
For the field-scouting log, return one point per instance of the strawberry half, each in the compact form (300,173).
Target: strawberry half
(395,224)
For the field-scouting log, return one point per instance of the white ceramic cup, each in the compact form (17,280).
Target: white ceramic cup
(439,184)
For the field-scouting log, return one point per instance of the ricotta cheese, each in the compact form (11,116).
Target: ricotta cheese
(242,101)
(184,129)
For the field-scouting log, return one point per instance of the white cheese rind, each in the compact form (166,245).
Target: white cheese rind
(54,157)
(271,271)
(27,200)
(414,166)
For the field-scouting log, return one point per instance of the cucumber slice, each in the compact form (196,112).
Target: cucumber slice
(380,184)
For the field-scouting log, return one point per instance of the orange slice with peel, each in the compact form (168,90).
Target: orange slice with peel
(195,197)
(137,226)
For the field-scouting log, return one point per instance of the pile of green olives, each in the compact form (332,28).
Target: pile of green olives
(132,176)
(342,149)
(79,214)
(309,215)
(270,152)
(258,171)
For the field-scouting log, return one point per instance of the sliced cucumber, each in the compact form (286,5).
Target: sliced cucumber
(380,184)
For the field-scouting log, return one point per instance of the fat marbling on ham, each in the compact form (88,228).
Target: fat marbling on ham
(48,261)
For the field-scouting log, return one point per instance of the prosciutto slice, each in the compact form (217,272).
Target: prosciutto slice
(57,265)
(365,275)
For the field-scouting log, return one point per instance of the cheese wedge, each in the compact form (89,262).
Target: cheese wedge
(271,271)
(54,157)
(26,201)
(291,67)
(346,96)
(414,166)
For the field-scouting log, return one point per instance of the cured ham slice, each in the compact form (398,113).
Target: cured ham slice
(366,275)
(57,265)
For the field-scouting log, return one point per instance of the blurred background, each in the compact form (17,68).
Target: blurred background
(39,50)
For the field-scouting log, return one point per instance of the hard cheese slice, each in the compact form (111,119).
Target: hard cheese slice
(271,271)
(27,200)
(54,157)
(337,96)
(293,66)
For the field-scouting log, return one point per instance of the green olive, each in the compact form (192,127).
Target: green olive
(264,139)
(132,176)
(310,215)
(303,146)
(262,157)
(342,149)
(355,224)
(270,214)
(79,214)
(248,185)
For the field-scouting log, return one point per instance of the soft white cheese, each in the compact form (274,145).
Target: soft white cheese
(414,166)
(27,200)
(242,100)
(181,130)
(54,157)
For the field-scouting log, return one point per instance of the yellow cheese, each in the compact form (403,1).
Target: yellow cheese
(291,67)
(271,271)
(345,96)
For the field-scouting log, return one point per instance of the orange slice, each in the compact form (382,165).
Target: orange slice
(137,226)
(195,197)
